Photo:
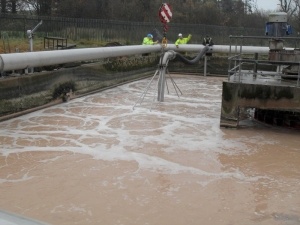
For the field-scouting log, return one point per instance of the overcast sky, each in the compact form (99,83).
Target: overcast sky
(267,4)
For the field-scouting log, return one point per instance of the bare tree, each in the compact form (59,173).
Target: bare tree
(3,6)
(249,6)
(296,16)
(213,12)
(14,6)
(287,6)
(9,6)
(38,7)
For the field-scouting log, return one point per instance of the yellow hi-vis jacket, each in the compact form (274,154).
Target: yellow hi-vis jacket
(148,41)
(183,40)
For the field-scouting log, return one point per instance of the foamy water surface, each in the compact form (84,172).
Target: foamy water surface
(96,160)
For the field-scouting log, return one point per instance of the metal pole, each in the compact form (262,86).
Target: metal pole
(29,34)
(141,98)
(298,75)
(229,57)
(161,85)
(240,58)
(205,65)
(255,66)
(30,37)
(30,44)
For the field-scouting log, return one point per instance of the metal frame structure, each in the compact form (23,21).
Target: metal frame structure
(236,59)
(161,82)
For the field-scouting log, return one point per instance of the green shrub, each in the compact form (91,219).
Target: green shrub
(63,88)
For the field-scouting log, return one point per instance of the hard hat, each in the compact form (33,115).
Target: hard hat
(150,35)
(180,35)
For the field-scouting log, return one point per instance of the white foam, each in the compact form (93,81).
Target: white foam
(188,123)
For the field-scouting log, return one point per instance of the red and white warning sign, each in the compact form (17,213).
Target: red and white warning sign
(165,13)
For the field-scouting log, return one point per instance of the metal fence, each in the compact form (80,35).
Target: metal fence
(125,32)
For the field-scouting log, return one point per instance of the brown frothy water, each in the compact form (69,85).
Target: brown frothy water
(94,160)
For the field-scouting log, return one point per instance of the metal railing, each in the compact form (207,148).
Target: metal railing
(128,32)
(237,61)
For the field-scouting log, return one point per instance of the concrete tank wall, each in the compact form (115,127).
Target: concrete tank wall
(243,95)
(25,92)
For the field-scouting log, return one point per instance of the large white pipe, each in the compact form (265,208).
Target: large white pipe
(15,61)
(223,49)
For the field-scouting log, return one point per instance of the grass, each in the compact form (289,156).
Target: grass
(22,44)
